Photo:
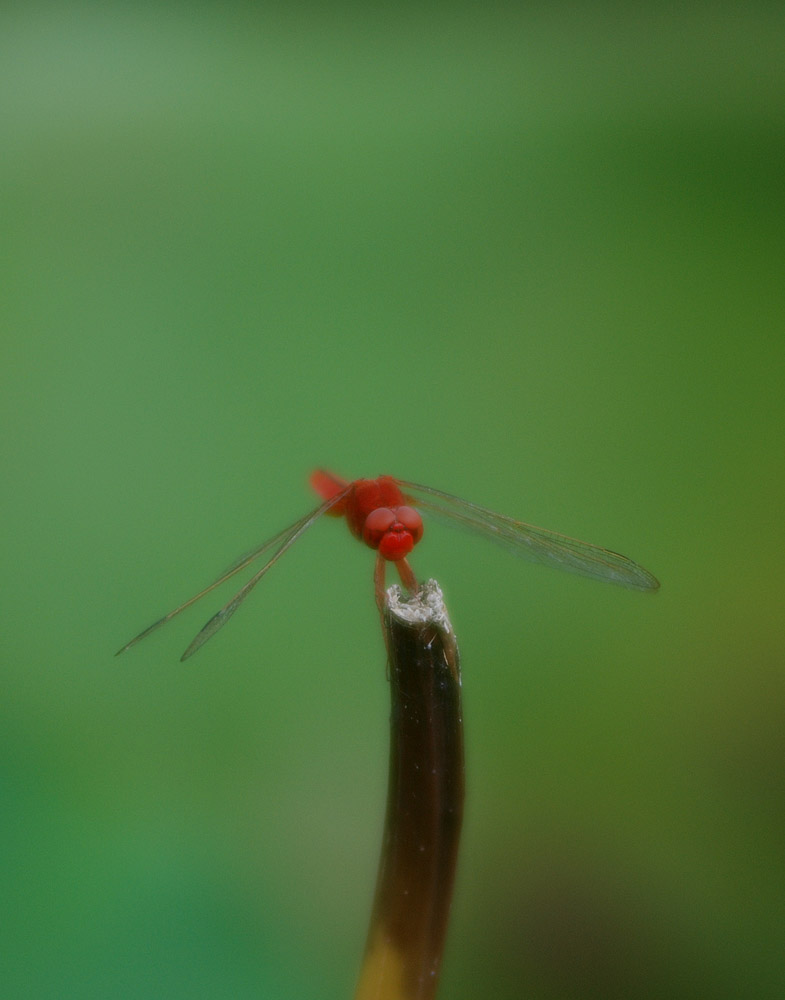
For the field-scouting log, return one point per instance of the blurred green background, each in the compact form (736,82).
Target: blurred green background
(534,258)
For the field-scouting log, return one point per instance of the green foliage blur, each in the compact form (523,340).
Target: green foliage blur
(533,257)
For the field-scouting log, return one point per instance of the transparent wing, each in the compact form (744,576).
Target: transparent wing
(536,544)
(220,618)
(284,539)
(236,566)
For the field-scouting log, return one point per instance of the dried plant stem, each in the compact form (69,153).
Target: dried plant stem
(424,802)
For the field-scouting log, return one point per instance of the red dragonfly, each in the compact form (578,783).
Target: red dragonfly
(381,512)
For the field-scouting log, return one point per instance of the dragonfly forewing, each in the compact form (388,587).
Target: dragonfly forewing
(536,544)
(284,539)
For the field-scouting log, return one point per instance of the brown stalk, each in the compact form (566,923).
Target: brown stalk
(424,802)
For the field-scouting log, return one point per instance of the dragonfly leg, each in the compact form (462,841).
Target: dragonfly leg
(378,586)
(406,573)
(378,582)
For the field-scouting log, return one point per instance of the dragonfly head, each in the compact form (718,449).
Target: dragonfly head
(393,531)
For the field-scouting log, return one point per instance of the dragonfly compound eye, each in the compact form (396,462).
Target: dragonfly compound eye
(376,526)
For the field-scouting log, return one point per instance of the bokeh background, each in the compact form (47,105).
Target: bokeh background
(532,257)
